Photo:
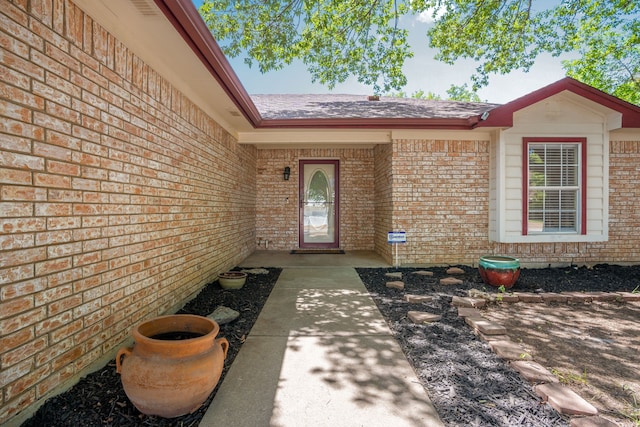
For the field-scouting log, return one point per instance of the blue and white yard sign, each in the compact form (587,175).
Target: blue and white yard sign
(397,237)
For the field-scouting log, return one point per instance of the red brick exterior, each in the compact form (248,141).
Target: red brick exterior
(119,198)
(440,199)
(278,200)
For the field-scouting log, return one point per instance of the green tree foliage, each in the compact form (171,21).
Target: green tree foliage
(340,38)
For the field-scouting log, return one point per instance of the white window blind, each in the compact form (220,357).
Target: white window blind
(554,188)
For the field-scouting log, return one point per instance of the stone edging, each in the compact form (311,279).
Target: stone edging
(545,384)
(551,297)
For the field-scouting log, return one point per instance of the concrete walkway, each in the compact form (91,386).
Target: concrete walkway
(320,354)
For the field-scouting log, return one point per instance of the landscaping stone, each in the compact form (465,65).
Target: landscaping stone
(468,312)
(223,315)
(451,281)
(423,317)
(577,297)
(564,400)
(529,297)
(477,293)
(423,273)
(395,285)
(533,372)
(468,302)
(592,421)
(602,296)
(455,270)
(509,350)
(488,338)
(485,326)
(553,297)
(510,298)
(395,275)
(417,299)
(629,296)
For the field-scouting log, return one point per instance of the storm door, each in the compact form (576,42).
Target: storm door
(319,204)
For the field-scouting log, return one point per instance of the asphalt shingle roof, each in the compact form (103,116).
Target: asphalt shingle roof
(329,106)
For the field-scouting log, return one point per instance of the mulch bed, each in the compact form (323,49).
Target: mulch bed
(99,399)
(467,383)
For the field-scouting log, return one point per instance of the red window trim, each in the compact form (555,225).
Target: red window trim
(525,177)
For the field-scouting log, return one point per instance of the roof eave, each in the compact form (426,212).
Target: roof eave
(502,116)
(187,21)
(370,123)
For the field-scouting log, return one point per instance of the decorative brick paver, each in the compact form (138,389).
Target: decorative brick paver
(468,302)
(423,317)
(485,326)
(511,298)
(451,281)
(394,275)
(554,297)
(423,273)
(533,372)
(602,296)
(468,312)
(578,297)
(417,299)
(487,338)
(564,400)
(529,297)
(509,350)
(629,296)
(395,285)
(455,270)
(592,421)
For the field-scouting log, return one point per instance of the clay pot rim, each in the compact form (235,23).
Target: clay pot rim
(158,322)
(232,275)
(499,258)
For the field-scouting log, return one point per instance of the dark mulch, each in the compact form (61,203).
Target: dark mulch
(99,399)
(468,384)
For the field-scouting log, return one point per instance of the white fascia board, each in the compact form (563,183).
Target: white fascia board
(442,134)
(314,137)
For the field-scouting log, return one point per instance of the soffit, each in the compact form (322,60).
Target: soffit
(143,28)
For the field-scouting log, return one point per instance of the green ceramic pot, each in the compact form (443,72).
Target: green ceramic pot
(498,270)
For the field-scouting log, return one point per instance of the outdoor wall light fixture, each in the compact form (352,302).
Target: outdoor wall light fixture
(286,173)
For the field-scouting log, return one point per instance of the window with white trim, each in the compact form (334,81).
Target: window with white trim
(554,186)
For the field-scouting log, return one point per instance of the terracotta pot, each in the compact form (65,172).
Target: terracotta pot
(172,376)
(232,279)
(499,271)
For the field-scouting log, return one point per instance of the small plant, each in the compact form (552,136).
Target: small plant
(636,290)
(568,377)
(632,409)
(502,289)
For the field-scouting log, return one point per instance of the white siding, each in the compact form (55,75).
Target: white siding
(562,115)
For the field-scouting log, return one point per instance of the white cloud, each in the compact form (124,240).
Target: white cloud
(428,16)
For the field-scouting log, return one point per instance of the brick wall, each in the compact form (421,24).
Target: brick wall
(440,198)
(277,199)
(119,198)
(383,199)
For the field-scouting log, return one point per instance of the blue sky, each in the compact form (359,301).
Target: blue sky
(422,71)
